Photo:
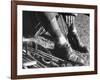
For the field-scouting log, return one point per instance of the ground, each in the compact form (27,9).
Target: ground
(82,26)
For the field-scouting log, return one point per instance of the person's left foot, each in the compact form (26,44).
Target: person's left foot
(74,57)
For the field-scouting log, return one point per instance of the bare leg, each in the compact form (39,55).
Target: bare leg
(61,38)
(73,37)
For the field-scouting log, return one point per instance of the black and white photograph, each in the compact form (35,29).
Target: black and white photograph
(54,39)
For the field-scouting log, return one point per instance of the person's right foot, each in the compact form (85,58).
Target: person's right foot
(83,49)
